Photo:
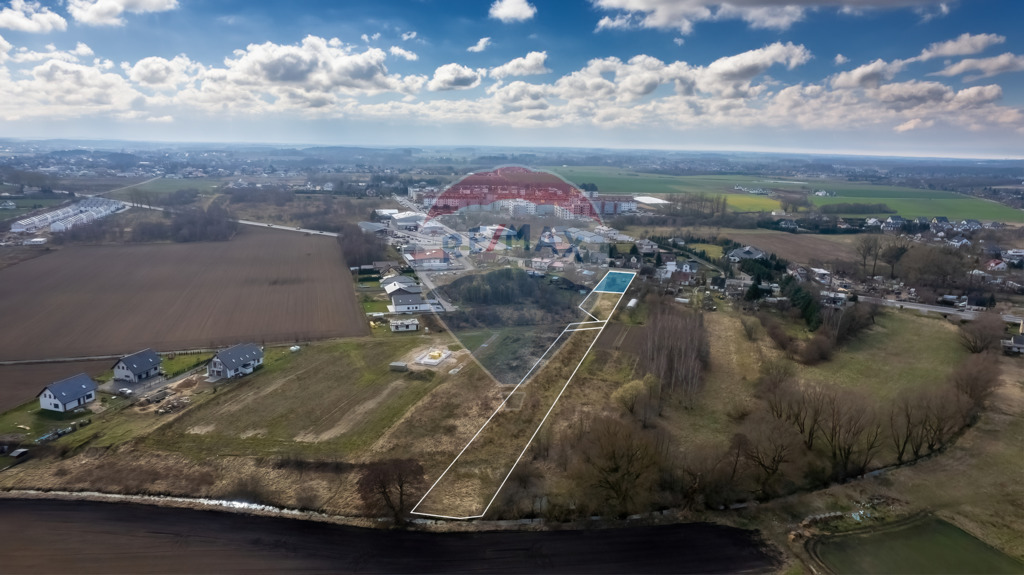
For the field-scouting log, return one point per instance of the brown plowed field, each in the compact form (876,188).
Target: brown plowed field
(262,286)
(19,383)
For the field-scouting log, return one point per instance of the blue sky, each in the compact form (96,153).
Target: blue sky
(887,77)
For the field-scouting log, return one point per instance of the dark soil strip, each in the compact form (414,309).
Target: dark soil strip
(88,537)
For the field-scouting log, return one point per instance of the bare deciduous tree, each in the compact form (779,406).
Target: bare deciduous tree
(619,463)
(977,378)
(390,486)
(768,443)
(980,335)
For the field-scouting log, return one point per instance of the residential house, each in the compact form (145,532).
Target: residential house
(822,275)
(1014,345)
(996,266)
(941,221)
(405,324)
(646,247)
(396,280)
(745,253)
(922,222)
(788,225)
(408,303)
(959,242)
(8,205)
(137,366)
(401,285)
(435,259)
(235,361)
(994,226)
(872,223)
(666,271)
(67,394)
(970,225)
(893,224)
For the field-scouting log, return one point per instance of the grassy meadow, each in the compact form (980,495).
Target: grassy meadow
(907,202)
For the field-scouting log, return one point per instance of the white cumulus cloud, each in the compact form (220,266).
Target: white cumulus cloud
(531,64)
(23,16)
(403,53)
(454,77)
(963,45)
(109,12)
(681,15)
(512,10)
(406,36)
(480,45)
(984,67)
(840,60)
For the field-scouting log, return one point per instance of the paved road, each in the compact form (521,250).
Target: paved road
(126,538)
(949,311)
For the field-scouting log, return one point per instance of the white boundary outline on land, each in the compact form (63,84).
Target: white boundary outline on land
(603,324)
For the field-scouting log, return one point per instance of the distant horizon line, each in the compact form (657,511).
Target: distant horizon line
(309,145)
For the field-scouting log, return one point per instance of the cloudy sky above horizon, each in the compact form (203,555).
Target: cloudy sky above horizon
(884,77)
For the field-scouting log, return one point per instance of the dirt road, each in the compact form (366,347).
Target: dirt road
(127,538)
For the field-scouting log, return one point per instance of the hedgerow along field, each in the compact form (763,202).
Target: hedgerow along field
(907,202)
(262,286)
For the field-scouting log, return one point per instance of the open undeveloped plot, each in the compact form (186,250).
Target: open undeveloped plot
(357,399)
(470,484)
(263,286)
(802,248)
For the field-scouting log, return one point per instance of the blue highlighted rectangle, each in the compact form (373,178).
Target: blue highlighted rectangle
(615,282)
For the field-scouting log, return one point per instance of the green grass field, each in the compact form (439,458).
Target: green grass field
(928,546)
(893,355)
(25,206)
(908,202)
(164,186)
(713,251)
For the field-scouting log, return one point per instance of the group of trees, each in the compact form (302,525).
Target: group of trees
(890,250)
(189,225)
(677,351)
(512,287)
(359,248)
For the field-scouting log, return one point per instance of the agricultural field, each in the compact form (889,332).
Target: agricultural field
(264,286)
(802,248)
(163,186)
(20,383)
(926,546)
(907,202)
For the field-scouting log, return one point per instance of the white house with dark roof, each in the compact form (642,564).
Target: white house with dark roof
(68,394)
(137,366)
(235,361)
(408,303)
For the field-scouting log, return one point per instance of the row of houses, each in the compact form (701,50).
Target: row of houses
(79,390)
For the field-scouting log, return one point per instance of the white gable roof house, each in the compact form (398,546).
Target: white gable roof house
(67,394)
(235,361)
(137,366)
(408,303)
